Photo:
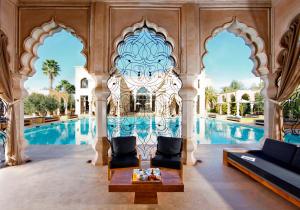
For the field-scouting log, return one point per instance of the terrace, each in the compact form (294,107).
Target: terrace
(143,73)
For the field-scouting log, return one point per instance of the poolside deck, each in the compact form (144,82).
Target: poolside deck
(59,178)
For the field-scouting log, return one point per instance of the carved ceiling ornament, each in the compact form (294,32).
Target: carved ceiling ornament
(36,38)
(290,42)
(251,38)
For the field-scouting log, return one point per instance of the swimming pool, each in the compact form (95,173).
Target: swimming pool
(146,129)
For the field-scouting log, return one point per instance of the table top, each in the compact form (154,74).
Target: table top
(121,182)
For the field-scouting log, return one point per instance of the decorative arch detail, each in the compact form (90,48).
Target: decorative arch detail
(251,38)
(288,57)
(131,30)
(36,38)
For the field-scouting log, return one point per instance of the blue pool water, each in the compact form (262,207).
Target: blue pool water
(146,129)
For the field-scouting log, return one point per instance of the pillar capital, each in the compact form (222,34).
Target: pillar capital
(101,91)
(188,91)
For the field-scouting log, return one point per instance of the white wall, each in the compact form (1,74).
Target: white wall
(81,73)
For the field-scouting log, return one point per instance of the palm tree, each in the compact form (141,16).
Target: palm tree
(51,69)
(66,86)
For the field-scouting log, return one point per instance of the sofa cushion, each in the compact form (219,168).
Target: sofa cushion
(124,162)
(122,146)
(279,150)
(167,162)
(169,146)
(296,160)
(285,179)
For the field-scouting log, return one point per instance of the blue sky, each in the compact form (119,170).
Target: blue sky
(65,49)
(227,59)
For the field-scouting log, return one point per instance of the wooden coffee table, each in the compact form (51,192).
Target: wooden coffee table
(145,193)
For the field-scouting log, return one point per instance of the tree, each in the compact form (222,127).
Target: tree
(257,86)
(39,104)
(51,69)
(210,98)
(51,104)
(234,85)
(65,86)
(35,103)
(259,103)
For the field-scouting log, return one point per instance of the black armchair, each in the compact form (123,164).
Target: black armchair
(124,154)
(168,153)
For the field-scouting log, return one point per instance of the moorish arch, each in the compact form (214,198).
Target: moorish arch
(36,38)
(252,40)
(143,75)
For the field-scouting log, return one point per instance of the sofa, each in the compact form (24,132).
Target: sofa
(276,166)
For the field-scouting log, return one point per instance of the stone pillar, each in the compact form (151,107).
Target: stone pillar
(220,111)
(251,107)
(202,94)
(228,108)
(101,93)
(237,108)
(269,91)
(188,93)
(134,102)
(20,93)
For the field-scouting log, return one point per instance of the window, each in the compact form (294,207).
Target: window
(84,83)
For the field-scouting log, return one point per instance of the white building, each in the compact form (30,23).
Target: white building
(84,85)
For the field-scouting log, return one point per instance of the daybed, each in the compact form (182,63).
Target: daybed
(276,166)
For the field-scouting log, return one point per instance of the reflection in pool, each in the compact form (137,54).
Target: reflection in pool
(212,131)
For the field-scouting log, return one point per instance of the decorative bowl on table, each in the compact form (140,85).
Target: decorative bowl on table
(149,175)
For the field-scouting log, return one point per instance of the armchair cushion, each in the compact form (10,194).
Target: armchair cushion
(169,146)
(279,150)
(123,146)
(166,161)
(124,162)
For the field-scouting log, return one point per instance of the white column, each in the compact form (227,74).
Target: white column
(251,107)
(134,102)
(66,107)
(237,108)
(90,106)
(188,93)
(101,93)
(228,108)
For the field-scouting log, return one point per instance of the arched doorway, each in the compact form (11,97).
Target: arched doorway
(143,85)
(253,54)
(65,90)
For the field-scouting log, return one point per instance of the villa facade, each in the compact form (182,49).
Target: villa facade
(237,97)
(84,86)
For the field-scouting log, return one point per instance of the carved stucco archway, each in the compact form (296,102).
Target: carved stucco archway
(123,84)
(252,40)
(132,29)
(36,38)
(258,56)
